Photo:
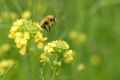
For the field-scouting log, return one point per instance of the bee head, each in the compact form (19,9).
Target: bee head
(51,18)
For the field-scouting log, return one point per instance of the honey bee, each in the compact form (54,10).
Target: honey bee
(48,22)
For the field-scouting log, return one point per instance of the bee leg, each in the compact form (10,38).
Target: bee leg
(46,28)
(49,28)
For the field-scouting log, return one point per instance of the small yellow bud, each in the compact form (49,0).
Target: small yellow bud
(40,45)
(18,22)
(5,65)
(26,35)
(43,58)
(23,50)
(69,56)
(26,14)
(81,67)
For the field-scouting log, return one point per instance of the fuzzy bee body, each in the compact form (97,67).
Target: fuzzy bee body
(47,23)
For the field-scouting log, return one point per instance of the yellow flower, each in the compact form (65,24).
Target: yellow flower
(40,39)
(48,49)
(40,45)
(14,28)
(81,67)
(19,22)
(26,14)
(20,43)
(53,44)
(23,30)
(73,34)
(19,35)
(13,31)
(23,50)
(5,65)
(38,26)
(60,44)
(21,39)
(12,35)
(78,37)
(4,48)
(63,44)
(69,56)
(44,58)
(26,35)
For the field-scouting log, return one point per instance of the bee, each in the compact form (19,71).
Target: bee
(47,22)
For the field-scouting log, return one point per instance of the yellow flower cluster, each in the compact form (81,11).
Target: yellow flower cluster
(20,38)
(24,30)
(5,65)
(15,28)
(39,39)
(55,44)
(56,48)
(21,41)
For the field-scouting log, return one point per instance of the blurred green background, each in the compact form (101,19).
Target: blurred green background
(91,27)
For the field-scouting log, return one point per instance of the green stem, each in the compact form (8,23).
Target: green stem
(27,65)
(55,73)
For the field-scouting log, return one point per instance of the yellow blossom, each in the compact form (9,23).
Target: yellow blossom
(4,48)
(81,67)
(69,56)
(40,39)
(26,14)
(73,34)
(56,44)
(18,22)
(40,45)
(53,44)
(26,35)
(14,28)
(5,65)
(48,49)
(44,58)
(63,44)
(20,42)
(78,37)
(12,35)
(60,44)
(19,34)
(22,31)
(13,31)
(21,39)
(23,50)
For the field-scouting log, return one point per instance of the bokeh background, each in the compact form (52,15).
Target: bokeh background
(91,27)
